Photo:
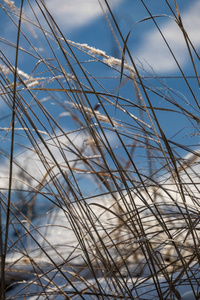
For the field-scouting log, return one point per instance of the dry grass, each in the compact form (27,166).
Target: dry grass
(97,201)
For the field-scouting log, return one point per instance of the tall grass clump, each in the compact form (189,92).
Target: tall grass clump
(100,163)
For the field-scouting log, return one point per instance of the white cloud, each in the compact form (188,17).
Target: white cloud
(154,51)
(28,169)
(76,13)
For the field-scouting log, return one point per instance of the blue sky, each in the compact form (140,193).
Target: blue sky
(83,22)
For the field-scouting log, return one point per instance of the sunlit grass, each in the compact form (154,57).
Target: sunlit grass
(97,199)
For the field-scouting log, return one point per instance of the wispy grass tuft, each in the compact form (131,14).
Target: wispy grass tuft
(99,199)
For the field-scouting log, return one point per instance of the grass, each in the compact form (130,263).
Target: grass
(98,199)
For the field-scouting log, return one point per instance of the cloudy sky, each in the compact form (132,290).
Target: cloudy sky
(84,22)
